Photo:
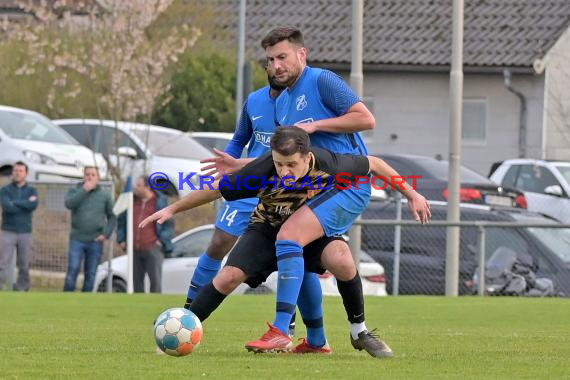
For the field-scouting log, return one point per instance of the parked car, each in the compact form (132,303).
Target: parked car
(179,268)
(546,184)
(423,248)
(140,148)
(433,183)
(218,140)
(49,151)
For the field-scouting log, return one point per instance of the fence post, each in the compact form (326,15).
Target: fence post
(397,245)
(10,273)
(481,284)
(355,242)
(111,253)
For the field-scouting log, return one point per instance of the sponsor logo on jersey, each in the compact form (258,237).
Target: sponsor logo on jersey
(263,138)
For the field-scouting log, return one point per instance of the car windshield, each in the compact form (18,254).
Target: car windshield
(440,170)
(565,171)
(176,145)
(557,239)
(34,127)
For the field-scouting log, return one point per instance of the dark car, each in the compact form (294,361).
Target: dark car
(433,184)
(423,248)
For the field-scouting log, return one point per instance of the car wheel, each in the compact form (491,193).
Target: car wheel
(118,286)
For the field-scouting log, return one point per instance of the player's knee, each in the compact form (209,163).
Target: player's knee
(228,279)
(286,232)
(337,258)
(220,245)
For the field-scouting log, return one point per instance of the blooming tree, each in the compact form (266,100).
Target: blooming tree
(110,51)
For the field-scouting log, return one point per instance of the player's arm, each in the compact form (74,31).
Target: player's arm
(194,199)
(339,97)
(242,134)
(244,184)
(416,202)
(223,164)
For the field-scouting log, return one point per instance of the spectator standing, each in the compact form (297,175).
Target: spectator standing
(92,222)
(19,201)
(152,242)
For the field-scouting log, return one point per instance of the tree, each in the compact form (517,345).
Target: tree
(202,94)
(110,54)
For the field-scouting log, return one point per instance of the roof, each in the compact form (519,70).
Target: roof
(498,33)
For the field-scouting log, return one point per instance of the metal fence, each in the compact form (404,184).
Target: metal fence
(413,255)
(51,228)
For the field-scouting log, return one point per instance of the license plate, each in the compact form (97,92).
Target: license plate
(498,200)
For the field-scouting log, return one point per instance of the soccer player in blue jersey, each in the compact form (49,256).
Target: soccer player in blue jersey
(256,126)
(322,104)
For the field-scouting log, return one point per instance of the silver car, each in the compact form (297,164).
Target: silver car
(177,270)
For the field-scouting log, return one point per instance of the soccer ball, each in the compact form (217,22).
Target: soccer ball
(177,331)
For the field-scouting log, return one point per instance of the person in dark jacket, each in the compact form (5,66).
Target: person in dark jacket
(19,200)
(92,222)
(149,243)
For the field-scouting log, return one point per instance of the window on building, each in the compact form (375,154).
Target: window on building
(474,120)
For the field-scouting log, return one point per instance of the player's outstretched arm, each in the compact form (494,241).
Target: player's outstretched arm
(418,205)
(223,164)
(194,199)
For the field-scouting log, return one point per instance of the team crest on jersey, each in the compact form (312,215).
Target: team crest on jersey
(301,102)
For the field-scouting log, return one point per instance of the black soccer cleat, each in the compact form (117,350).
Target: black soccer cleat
(370,341)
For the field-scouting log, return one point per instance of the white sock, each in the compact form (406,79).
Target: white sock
(357,328)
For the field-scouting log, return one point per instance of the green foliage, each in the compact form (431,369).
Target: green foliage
(202,94)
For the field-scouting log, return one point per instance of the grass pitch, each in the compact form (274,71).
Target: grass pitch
(57,336)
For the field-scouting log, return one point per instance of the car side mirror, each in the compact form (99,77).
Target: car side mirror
(127,151)
(555,190)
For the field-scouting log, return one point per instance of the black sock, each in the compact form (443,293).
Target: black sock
(207,300)
(352,298)
(187,304)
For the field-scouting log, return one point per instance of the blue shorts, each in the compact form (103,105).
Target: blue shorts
(338,209)
(234,216)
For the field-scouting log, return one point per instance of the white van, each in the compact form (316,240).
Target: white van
(137,149)
(49,151)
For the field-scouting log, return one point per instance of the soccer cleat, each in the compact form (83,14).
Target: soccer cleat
(291,330)
(272,341)
(305,348)
(369,341)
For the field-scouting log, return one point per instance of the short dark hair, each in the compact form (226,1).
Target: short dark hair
(282,33)
(21,163)
(290,140)
(91,167)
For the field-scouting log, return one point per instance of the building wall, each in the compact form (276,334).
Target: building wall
(412,115)
(557,95)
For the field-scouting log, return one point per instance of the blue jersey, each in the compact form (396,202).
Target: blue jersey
(256,125)
(320,94)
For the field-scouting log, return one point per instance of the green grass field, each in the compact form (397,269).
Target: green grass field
(47,335)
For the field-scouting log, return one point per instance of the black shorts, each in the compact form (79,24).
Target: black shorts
(254,253)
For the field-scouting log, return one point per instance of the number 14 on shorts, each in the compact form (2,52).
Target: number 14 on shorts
(228,217)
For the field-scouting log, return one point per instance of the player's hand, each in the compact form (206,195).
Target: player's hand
(100,238)
(307,127)
(123,245)
(159,217)
(221,165)
(419,207)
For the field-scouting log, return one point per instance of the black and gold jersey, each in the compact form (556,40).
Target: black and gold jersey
(279,197)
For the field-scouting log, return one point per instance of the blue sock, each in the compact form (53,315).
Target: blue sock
(311,307)
(290,267)
(205,272)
